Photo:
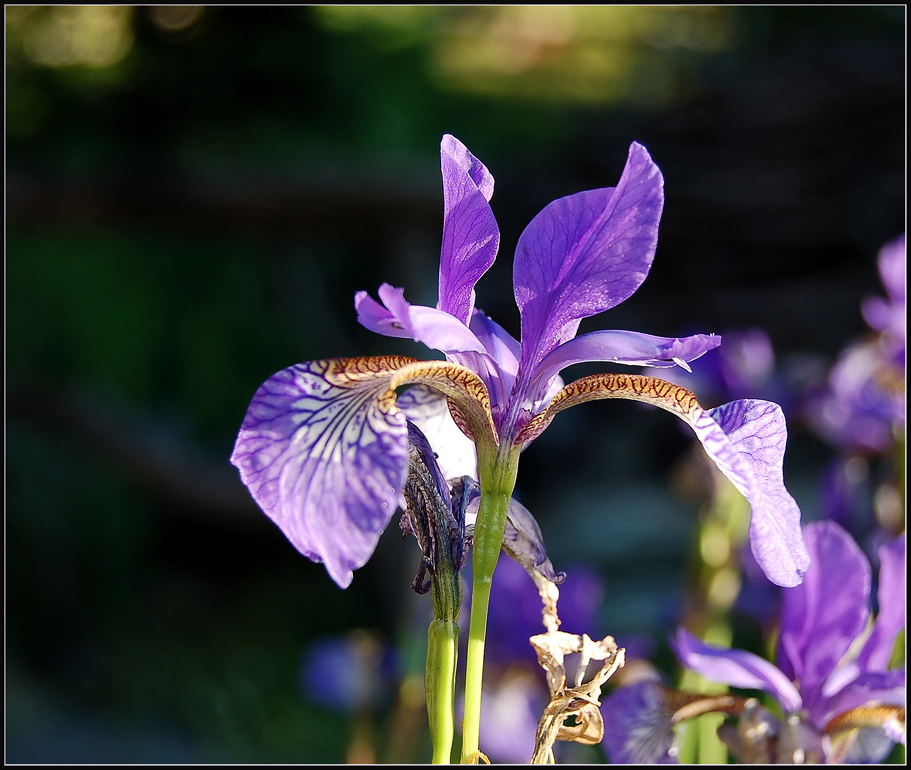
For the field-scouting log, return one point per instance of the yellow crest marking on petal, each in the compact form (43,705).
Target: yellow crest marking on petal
(468,397)
(635,387)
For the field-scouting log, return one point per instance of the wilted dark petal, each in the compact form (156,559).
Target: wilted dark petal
(523,541)
(823,616)
(470,233)
(622,347)
(745,439)
(638,727)
(736,668)
(586,253)
(891,618)
(324,455)
(323,449)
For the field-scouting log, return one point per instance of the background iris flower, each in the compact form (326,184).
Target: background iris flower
(832,669)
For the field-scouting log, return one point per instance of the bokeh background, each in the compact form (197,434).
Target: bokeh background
(193,196)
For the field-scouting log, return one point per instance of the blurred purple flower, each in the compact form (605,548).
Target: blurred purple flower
(323,447)
(348,672)
(863,406)
(744,367)
(888,316)
(825,667)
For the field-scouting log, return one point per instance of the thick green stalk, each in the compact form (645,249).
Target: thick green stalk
(497,480)
(439,686)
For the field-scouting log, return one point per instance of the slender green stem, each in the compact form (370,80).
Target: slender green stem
(439,685)
(497,479)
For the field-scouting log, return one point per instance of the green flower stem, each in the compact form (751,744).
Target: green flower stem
(439,685)
(497,479)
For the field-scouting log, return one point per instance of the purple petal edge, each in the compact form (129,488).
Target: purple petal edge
(737,668)
(821,618)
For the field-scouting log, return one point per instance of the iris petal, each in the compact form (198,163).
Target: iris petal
(470,233)
(877,652)
(586,253)
(745,439)
(823,616)
(622,347)
(736,668)
(323,449)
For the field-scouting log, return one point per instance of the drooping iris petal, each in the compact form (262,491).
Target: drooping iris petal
(877,652)
(522,538)
(586,253)
(470,233)
(638,726)
(823,616)
(736,668)
(622,347)
(745,439)
(323,449)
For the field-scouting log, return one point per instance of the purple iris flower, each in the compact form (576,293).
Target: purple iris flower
(323,448)
(826,665)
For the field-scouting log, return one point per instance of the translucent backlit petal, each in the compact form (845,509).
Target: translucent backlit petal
(638,726)
(745,439)
(586,253)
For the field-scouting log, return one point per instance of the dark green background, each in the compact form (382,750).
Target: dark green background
(186,221)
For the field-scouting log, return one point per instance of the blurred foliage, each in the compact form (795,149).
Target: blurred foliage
(194,193)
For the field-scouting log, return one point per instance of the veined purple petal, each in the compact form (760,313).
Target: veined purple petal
(822,617)
(470,234)
(586,253)
(877,652)
(622,347)
(323,449)
(502,362)
(326,461)
(737,668)
(638,726)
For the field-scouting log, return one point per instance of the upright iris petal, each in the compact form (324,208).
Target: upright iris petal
(585,254)
(470,233)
